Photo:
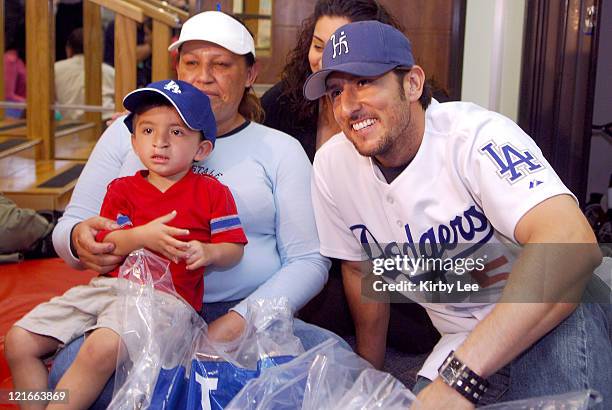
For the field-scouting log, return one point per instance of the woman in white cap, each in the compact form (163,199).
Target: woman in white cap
(266,170)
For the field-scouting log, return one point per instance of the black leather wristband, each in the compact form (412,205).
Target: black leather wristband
(461,378)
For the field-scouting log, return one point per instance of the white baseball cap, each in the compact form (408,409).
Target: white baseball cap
(218,28)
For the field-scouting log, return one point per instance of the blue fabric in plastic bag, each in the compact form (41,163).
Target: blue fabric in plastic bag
(211,385)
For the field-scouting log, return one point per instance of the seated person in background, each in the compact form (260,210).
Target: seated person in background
(70,79)
(172,125)
(15,70)
(23,232)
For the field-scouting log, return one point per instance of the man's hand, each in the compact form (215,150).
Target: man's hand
(159,237)
(439,395)
(198,255)
(95,255)
(226,328)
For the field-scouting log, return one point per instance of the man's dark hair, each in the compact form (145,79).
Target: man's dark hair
(75,41)
(425,98)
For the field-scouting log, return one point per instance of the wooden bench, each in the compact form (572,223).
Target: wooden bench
(34,184)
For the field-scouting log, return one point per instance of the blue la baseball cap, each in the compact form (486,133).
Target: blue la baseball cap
(192,105)
(365,49)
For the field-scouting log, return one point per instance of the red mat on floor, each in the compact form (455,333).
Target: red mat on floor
(25,285)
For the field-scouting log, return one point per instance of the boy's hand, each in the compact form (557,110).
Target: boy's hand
(159,237)
(223,255)
(198,255)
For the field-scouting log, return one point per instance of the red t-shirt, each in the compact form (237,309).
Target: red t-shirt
(204,206)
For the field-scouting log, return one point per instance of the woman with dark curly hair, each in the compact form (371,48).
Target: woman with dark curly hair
(312,122)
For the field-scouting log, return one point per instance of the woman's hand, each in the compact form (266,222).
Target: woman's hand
(95,255)
(227,327)
(115,116)
(159,237)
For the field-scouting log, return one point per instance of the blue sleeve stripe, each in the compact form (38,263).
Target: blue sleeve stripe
(229,228)
(224,224)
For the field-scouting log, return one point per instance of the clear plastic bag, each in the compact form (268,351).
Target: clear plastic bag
(329,377)
(326,377)
(158,328)
(167,359)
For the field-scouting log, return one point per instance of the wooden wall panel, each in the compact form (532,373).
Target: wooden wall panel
(92,42)
(287,17)
(40,49)
(125,58)
(428,25)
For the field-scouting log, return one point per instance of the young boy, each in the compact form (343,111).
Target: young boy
(172,125)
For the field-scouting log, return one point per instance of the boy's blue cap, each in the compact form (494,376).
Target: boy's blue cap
(364,49)
(192,105)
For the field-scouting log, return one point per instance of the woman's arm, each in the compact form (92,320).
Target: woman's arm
(303,271)
(103,166)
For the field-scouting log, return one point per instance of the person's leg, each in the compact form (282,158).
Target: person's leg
(311,335)
(23,351)
(212,311)
(576,355)
(20,228)
(91,369)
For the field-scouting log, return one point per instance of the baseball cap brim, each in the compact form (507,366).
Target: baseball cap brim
(314,87)
(141,96)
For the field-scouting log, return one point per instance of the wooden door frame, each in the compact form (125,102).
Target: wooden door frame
(558,85)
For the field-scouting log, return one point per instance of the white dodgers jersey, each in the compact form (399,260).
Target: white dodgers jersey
(474,176)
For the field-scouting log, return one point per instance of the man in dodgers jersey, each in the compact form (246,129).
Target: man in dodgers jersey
(403,178)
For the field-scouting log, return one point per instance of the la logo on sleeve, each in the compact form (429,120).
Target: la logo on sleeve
(512,164)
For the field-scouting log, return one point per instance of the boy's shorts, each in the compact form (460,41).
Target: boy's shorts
(86,308)
(81,309)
